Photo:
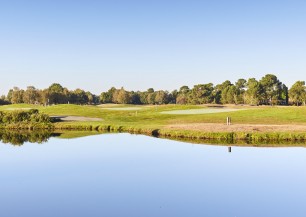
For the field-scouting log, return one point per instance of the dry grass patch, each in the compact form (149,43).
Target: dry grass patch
(213,127)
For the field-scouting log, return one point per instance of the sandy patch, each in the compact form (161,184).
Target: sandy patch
(76,118)
(213,127)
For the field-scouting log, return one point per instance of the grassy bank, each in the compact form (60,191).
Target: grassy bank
(164,120)
(228,137)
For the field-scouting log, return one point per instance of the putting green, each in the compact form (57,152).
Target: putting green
(200,111)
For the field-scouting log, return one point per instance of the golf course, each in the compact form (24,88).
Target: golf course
(249,123)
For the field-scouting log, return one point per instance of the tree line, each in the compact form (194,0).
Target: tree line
(55,94)
(266,91)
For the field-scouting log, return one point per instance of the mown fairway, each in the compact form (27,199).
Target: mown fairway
(161,116)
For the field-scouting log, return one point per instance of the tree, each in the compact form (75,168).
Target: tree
(223,89)
(17,95)
(135,98)
(3,100)
(105,98)
(297,93)
(253,92)
(79,96)
(161,97)
(150,90)
(182,96)
(44,96)
(241,88)
(172,97)
(184,90)
(123,97)
(31,95)
(181,99)
(90,98)
(56,94)
(112,95)
(143,97)
(9,95)
(272,88)
(284,95)
(201,94)
(150,98)
(230,95)
(56,88)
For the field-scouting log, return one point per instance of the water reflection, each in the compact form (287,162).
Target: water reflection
(128,175)
(20,137)
(244,143)
(230,149)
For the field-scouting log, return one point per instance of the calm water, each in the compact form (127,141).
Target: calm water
(128,175)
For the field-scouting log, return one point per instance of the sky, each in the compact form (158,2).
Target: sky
(164,44)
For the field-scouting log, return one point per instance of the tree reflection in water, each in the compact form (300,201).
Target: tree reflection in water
(20,137)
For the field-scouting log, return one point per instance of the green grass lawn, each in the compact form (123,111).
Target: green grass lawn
(169,114)
(199,111)
(155,120)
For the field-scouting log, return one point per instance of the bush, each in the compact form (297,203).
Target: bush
(30,118)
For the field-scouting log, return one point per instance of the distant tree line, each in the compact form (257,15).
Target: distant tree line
(266,91)
(55,94)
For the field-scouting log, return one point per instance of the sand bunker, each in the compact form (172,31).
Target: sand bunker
(76,118)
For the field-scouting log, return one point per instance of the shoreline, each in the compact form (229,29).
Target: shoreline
(230,136)
(192,136)
(261,124)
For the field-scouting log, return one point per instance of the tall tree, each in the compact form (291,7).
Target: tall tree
(123,97)
(90,98)
(56,94)
(10,95)
(31,95)
(80,96)
(182,96)
(161,97)
(201,94)
(135,98)
(230,95)
(271,89)
(241,85)
(17,95)
(105,98)
(44,96)
(297,93)
(253,92)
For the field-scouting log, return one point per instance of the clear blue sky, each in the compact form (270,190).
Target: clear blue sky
(140,44)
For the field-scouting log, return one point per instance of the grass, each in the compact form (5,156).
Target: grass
(155,119)
(199,111)
(124,109)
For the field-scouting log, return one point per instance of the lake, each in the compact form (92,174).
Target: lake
(134,175)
